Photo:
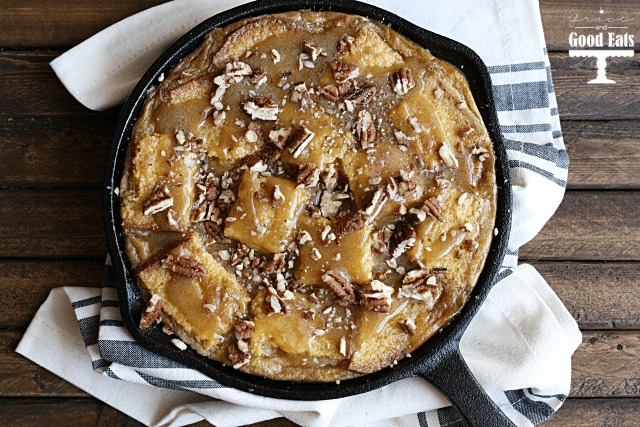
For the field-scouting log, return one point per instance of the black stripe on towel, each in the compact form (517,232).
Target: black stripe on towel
(536,411)
(179,385)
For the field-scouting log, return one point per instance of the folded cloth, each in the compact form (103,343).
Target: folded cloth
(523,364)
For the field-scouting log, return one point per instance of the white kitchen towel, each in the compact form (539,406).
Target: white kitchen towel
(524,363)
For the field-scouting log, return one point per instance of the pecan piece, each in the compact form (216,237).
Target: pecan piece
(408,326)
(237,70)
(365,129)
(448,156)
(151,312)
(421,285)
(259,77)
(375,296)
(403,81)
(340,285)
(184,266)
(159,202)
(299,140)
(376,206)
(261,108)
(280,136)
(243,330)
(213,230)
(237,357)
(329,92)
(344,45)
(432,207)
(308,175)
(241,251)
(403,239)
(311,49)
(275,264)
(348,224)
(363,95)
(274,302)
(343,71)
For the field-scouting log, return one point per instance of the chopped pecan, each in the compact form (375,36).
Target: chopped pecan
(376,206)
(375,296)
(274,302)
(403,81)
(238,69)
(307,315)
(159,202)
(241,251)
(261,108)
(311,49)
(378,244)
(448,156)
(213,230)
(308,175)
(365,129)
(259,77)
(340,285)
(420,285)
(237,357)
(343,71)
(277,198)
(283,77)
(300,94)
(151,312)
(408,326)
(348,87)
(344,45)
(184,266)
(363,95)
(432,207)
(330,203)
(299,140)
(280,136)
(329,92)
(243,330)
(403,239)
(348,224)
(275,264)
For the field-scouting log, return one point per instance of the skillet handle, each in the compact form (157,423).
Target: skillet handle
(451,375)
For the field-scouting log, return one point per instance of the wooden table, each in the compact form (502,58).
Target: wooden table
(52,153)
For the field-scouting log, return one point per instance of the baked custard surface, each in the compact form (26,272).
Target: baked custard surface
(308,196)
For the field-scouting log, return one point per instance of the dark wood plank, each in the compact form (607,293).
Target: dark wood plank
(21,377)
(603,155)
(55,152)
(556,16)
(34,23)
(578,100)
(598,295)
(24,285)
(601,226)
(597,412)
(57,223)
(606,365)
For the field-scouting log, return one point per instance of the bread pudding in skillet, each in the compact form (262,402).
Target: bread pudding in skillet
(308,196)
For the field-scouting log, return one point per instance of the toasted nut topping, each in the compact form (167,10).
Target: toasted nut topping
(311,49)
(329,92)
(432,208)
(151,312)
(259,77)
(184,266)
(403,239)
(408,326)
(330,203)
(343,71)
(376,296)
(348,224)
(237,357)
(159,202)
(238,69)
(243,330)
(278,198)
(448,156)
(403,81)
(299,140)
(280,136)
(304,237)
(340,285)
(261,108)
(420,285)
(343,346)
(365,129)
(179,344)
(364,95)
(344,45)
(274,302)
(213,230)
(308,175)
(376,206)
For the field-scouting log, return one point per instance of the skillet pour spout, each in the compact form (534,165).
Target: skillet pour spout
(438,360)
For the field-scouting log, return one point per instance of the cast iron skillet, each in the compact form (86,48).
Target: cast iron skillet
(439,359)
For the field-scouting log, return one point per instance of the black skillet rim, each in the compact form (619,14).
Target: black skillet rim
(154,340)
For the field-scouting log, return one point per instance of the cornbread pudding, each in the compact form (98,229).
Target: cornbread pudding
(308,196)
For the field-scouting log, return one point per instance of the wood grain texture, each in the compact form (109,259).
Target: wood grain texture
(557,13)
(597,413)
(56,223)
(606,365)
(603,155)
(589,225)
(578,100)
(62,23)
(598,295)
(55,152)
(24,285)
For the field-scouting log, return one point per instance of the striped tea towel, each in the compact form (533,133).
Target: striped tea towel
(524,364)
